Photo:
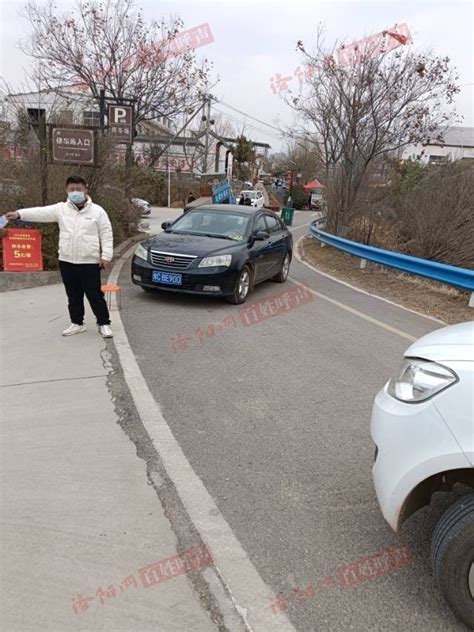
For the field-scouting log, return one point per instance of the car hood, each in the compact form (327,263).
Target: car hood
(455,342)
(196,245)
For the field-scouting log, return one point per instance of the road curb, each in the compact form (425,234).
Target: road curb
(244,589)
(300,255)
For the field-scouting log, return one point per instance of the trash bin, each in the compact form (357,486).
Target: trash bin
(287,215)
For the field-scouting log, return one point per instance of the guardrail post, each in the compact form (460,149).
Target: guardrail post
(471,300)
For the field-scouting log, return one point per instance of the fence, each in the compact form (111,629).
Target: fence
(452,275)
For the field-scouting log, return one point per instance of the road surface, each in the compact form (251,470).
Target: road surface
(273,418)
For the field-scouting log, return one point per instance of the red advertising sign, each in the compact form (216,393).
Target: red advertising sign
(22,250)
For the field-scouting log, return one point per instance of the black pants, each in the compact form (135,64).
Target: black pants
(80,279)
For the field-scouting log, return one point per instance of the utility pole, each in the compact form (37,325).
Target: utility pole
(208,126)
(102,109)
(43,139)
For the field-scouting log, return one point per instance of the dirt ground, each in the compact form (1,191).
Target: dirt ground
(433,299)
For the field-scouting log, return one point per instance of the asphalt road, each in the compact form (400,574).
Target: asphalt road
(274,419)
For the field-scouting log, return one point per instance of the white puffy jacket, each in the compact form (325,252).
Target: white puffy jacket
(85,235)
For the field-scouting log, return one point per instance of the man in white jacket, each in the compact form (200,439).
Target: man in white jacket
(85,246)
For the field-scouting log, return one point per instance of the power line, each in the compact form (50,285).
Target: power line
(231,107)
(243,122)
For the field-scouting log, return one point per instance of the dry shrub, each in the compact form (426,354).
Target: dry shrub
(22,183)
(436,217)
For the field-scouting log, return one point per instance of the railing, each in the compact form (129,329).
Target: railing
(452,275)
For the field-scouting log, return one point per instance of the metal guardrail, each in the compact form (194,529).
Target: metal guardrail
(452,275)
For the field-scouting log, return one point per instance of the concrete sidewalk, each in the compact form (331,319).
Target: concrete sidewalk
(78,517)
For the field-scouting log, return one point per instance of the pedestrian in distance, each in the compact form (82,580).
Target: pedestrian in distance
(85,248)
(191,198)
(241,199)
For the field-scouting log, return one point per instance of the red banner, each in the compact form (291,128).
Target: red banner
(383,42)
(22,250)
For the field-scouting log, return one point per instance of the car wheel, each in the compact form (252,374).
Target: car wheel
(452,555)
(242,287)
(282,276)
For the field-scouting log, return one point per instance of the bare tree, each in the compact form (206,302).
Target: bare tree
(222,127)
(301,156)
(359,113)
(108,45)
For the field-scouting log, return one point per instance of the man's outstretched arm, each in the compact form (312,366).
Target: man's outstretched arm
(36,214)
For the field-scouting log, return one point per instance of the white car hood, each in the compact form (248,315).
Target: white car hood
(455,342)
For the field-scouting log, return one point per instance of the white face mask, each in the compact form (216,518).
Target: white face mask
(76,197)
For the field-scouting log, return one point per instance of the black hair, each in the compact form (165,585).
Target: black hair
(76,180)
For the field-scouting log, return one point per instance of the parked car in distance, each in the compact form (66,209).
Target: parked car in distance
(256,198)
(217,250)
(423,429)
(143,205)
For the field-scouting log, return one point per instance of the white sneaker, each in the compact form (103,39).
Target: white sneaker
(74,329)
(105,331)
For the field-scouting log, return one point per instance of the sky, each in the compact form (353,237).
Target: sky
(254,40)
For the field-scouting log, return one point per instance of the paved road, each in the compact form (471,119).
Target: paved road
(274,419)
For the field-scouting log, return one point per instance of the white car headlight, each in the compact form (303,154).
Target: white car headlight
(141,252)
(216,262)
(419,380)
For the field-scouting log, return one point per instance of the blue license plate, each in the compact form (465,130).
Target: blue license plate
(167,278)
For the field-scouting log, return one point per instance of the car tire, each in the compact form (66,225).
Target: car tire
(242,287)
(452,554)
(282,276)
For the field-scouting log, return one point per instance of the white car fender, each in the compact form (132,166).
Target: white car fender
(422,471)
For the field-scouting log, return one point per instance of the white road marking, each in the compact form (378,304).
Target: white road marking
(302,226)
(355,312)
(249,593)
(358,289)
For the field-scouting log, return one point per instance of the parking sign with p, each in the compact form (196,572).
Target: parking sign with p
(120,122)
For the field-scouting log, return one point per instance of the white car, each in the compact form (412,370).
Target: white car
(423,429)
(143,205)
(256,198)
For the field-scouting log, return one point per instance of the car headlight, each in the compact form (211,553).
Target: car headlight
(216,262)
(141,252)
(419,380)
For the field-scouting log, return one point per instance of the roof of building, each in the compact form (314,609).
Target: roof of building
(254,143)
(456,137)
(164,140)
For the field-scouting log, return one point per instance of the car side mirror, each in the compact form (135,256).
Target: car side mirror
(261,235)
(165,225)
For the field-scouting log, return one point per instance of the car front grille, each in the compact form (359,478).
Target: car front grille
(171,261)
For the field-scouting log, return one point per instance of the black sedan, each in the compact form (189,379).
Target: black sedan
(218,249)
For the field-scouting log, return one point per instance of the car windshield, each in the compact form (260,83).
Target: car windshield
(212,224)
(249,194)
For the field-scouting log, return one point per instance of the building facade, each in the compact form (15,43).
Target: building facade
(458,145)
(155,144)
